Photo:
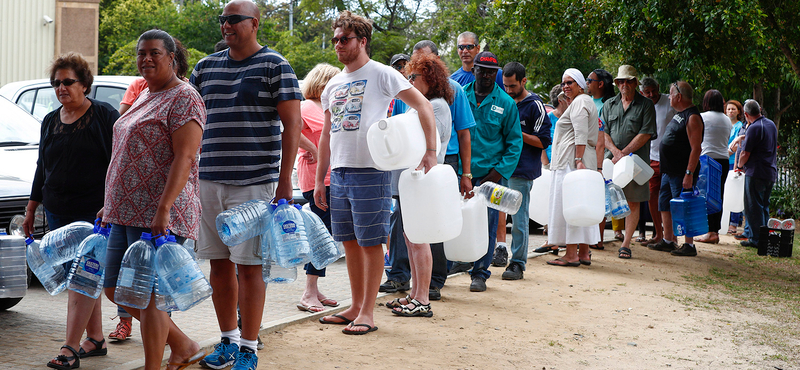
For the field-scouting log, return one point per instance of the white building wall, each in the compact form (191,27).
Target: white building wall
(27,42)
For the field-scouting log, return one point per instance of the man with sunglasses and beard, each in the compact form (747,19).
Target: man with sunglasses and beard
(496,144)
(249,91)
(468,47)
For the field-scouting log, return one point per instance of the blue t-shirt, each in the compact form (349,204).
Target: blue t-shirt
(464,77)
(761,141)
(553,120)
(242,137)
(734,133)
(532,121)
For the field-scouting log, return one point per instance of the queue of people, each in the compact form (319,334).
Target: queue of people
(182,151)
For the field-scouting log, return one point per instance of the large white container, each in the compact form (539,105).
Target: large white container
(473,241)
(624,171)
(431,204)
(733,200)
(608,169)
(642,171)
(539,207)
(397,142)
(583,198)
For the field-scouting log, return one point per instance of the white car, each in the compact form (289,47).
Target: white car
(38,97)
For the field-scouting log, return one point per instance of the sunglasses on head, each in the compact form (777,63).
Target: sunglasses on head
(342,40)
(233,19)
(66,82)
(467,46)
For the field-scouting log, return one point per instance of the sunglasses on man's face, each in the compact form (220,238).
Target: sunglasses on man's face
(342,40)
(413,77)
(233,19)
(467,46)
(66,82)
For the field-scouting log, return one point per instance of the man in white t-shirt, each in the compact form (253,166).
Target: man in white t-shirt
(664,113)
(360,193)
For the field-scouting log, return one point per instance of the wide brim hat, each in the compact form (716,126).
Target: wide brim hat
(487,59)
(626,72)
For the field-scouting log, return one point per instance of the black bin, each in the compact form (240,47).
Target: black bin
(775,242)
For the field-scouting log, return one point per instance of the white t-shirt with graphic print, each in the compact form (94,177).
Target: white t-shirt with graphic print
(356,100)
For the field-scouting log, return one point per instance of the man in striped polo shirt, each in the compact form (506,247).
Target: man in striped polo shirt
(249,90)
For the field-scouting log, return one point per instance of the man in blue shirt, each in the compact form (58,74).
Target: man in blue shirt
(468,48)
(535,126)
(496,144)
(758,159)
(459,145)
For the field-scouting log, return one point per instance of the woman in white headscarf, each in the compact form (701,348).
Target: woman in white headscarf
(573,149)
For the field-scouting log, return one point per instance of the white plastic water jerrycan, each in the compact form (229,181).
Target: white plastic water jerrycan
(539,207)
(471,244)
(624,171)
(642,171)
(733,199)
(431,204)
(397,142)
(583,197)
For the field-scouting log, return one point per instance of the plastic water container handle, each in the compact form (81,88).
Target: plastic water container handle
(389,146)
(417,174)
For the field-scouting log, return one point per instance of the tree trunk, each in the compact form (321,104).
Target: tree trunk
(758,93)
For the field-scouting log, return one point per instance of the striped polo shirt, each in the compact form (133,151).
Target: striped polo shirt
(242,137)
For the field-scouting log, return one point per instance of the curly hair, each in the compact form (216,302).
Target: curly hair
(740,115)
(356,23)
(76,63)
(430,68)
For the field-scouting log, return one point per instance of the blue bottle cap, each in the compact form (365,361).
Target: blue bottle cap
(160,240)
(282,201)
(299,207)
(147,236)
(28,241)
(171,238)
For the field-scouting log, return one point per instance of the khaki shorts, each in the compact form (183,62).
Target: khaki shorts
(215,198)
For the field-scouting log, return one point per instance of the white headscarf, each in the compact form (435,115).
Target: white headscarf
(576,75)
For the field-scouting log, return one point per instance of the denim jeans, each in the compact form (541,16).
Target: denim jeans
(481,267)
(756,205)
(519,228)
(398,251)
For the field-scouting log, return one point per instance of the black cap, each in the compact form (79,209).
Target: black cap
(486,59)
(399,57)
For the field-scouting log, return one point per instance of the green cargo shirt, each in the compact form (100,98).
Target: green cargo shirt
(497,137)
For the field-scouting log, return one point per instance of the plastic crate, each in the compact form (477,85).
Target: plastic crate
(775,242)
(710,183)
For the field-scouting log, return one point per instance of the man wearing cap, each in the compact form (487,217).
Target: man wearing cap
(496,144)
(399,61)
(630,125)
(468,49)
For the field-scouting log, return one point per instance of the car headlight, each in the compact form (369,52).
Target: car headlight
(15,226)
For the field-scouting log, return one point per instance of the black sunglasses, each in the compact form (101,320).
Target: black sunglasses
(233,19)
(467,46)
(66,82)
(568,83)
(412,77)
(590,80)
(343,40)
(398,66)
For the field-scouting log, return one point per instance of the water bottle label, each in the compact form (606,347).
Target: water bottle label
(289,227)
(126,277)
(179,278)
(497,196)
(90,265)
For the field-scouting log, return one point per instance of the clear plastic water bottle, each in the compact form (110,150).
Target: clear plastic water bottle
(323,249)
(500,197)
(289,236)
(609,200)
(164,301)
(243,222)
(61,245)
(136,274)
(271,272)
(88,270)
(620,208)
(53,278)
(178,274)
(189,245)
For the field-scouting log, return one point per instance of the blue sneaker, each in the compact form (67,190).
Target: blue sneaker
(246,360)
(224,355)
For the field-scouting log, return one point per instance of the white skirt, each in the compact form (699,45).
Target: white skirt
(559,232)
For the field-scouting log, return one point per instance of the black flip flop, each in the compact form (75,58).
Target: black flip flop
(563,263)
(355,332)
(598,247)
(97,351)
(344,321)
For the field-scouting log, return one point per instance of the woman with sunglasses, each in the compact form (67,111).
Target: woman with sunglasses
(152,184)
(574,148)
(428,74)
(74,154)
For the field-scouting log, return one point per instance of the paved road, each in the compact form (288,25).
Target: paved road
(33,330)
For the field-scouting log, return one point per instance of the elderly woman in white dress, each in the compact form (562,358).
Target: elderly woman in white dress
(574,148)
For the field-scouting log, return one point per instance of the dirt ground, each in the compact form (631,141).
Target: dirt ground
(614,314)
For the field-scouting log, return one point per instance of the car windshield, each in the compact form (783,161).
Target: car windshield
(16,126)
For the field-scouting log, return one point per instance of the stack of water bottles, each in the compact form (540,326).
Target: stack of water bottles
(615,199)
(13,273)
(290,236)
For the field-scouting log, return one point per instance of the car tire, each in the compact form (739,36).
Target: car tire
(6,303)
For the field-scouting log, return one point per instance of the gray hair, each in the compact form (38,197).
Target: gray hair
(469,34)
(752,108)
(427,44)
(649,82)
(554,95)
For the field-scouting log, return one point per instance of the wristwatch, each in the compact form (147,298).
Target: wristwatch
(468,175)
(578,159)
(688,172)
